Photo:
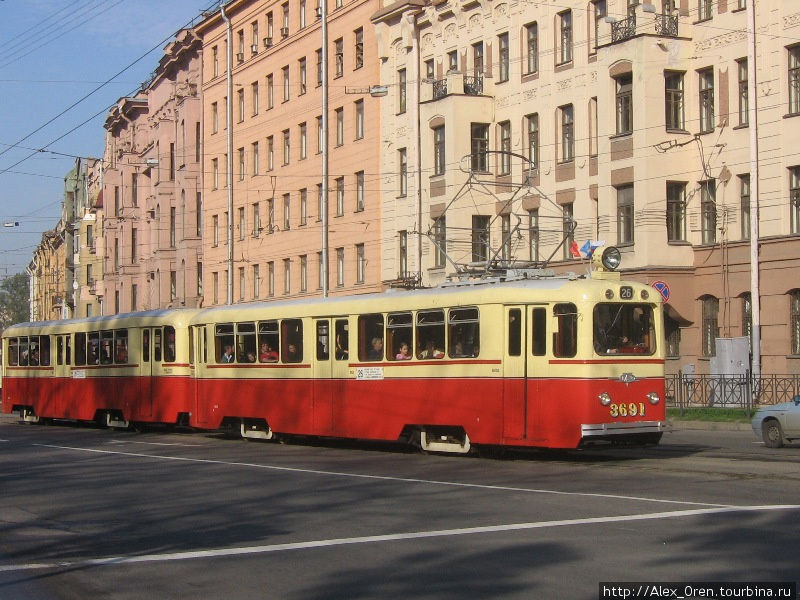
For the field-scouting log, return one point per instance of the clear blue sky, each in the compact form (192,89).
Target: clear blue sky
(52,54)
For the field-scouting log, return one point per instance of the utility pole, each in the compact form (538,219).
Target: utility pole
(752,117)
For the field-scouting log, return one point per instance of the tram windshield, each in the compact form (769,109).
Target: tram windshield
(624,329)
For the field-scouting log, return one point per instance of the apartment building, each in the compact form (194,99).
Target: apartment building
(513,130)
(152,188)
(47,274)
(264,228)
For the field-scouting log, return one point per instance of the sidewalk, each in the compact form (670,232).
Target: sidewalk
(680,424)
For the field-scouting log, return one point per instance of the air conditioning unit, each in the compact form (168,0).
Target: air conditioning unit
(254,48)
(268,42)
(240,56)
(284,32)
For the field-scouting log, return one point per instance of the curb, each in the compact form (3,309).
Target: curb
(679,425)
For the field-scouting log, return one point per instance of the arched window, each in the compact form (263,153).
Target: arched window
(710,325)
(794,320)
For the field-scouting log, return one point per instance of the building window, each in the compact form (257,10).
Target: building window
(242,284)
(567,229)
(676,212)
(214,117)
(340,267)
(270,153)
(271,278)
(303,206)
(198,205)
(452,61)
(706,86)
(794,320)
(741,68)
(287,276)
(172,226)
(567,132)
(256,282)
(673,98)
(744,203)
(303,76)
(505,235)
(624,101)
(401,91)
(361,264)
(359,49)
(286,146)
(480,238)
(625,215)
(256,219)
(270,91)
(565,37)
(359,106)
(242,223)
(531,48)
(533,234)
(338,46)
(241,164)
(134,189)
(214,62)
(747,317)
(359,191)
(303,141)
(403,253)
(672,331)
(402,159)
(319,67)
(254,150)
(533,140)
(505,147)
(440,241)
(794,199)
(429,69)
(303,273)
(240,105)
(794,80)
(287,212)
(438,151)
(502,42)
(708,210)
(339,126)
(479,147)
(302,9)
(477,59)
(599,9)
(215,230)
(339,196)
(710,325)
(286,93)
(703,10)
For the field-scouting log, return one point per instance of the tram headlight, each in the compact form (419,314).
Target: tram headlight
(605,398)
(611,258)
(653,398)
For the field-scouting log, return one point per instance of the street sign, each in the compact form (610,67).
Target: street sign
(662,288)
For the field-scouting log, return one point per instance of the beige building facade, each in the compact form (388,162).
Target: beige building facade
(265,239)
(625,122)
(152,188)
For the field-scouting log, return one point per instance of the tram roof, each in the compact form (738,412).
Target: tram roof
(146,317)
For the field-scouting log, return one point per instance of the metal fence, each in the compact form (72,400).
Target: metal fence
(729,391)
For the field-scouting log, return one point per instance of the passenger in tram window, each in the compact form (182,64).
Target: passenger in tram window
(341,349)
(105,353)
(376,352)
(292,354)
(94,355)
(121,352)
(476,350)
(267,354)
(431,351)
(169,349)
(227,354)
(34,358)
(404,353)
(250,357)
(458,349)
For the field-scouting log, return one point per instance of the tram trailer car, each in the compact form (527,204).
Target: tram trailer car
(112,369)
(557,362)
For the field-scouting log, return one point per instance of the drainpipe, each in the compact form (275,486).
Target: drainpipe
(229,165)
(412,19)
(324,266)
(752,118)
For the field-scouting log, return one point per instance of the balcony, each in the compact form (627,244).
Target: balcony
(473,86)
(623,30)
(667,25)
(439,88)
(467,85)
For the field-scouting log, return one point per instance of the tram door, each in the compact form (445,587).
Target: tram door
(146,374)
(524,362)
(323,378)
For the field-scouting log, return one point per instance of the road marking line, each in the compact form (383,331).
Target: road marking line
(154,443)
(392,537)
(385,477)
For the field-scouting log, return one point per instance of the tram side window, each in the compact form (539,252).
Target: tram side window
(292,340)
(342,339)
(323,340)
(146,345)
(23,351)
(464,333)
(370,337)
(33,351)
(399,336)
(430,334)
(169,343)
(121,346)
(157,344)
(44,350)
(565,339)
(60,350)
(80,349)
(514,332)
(268,341)
(106,347)
(69,349)
(539,344)
(93,348)
(246,342)
(13,351)
(223,342)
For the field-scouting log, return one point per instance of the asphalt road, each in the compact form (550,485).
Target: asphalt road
(94,513)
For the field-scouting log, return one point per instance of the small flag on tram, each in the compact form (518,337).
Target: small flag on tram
(590,246)
(573,250)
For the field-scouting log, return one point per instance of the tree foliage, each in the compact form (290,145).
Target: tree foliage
(14,300)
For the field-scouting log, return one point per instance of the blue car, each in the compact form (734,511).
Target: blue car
(778,423)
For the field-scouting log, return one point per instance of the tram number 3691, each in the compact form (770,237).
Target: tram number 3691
(626,410)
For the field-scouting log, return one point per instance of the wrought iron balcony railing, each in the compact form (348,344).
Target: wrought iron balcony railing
(667,25)
(473,86)
(624,29)
(439,88)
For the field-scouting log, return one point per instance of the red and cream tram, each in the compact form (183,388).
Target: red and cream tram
(525,360)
